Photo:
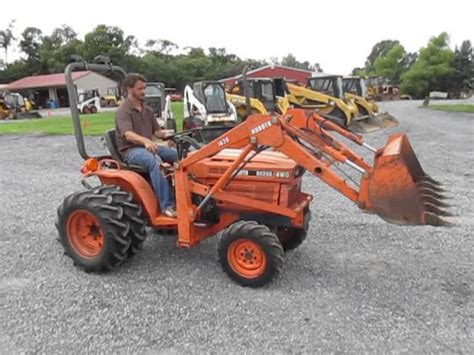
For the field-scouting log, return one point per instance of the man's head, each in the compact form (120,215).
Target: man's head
(135,86)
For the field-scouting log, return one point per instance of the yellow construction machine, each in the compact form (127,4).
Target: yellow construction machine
(355,89)
(14,106)
(113,98)
(276,96)
(326,98)
(264,97)
(379,89)
(366,119)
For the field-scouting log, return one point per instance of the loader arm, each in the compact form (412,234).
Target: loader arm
(369,105)
(309,99)
(283,104)
(394,187)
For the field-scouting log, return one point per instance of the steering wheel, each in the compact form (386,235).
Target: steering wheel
(176,136)
(184,141)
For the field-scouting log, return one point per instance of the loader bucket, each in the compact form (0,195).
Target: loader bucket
(372,123)
(399,191)
(367,124)
(386,120)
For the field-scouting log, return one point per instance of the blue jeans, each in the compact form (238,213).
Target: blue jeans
(151,162)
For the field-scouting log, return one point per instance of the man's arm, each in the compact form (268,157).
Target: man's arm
(124,125)
(162,133)
(138,139)
(157,131)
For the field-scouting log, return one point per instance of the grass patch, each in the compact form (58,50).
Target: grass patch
(92,125)
(469,108)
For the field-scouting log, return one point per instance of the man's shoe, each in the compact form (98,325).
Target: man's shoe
(170,212)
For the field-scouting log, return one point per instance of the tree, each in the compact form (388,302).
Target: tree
(432,69)
(357,71)
(131,42)
(316,67)
(158,61)
(161,46)
(391,64)
(291,61)
(31,43)
(108,41)
(380,49)
(56,49)
(63,35)
(463,78)
(7,38)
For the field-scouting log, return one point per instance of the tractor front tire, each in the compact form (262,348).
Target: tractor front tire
(250,253)
(94,109)
(92,231)
(133,214)
(291,238)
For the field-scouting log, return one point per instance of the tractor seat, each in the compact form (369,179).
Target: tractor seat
(111,142)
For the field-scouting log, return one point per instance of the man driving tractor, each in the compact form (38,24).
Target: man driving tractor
(136,126)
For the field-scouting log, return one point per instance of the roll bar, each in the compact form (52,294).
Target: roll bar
(72,94)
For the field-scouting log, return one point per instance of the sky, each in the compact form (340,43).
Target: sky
(338,35)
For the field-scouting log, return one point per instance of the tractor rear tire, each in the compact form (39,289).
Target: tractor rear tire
(133,214)
(86,110)
(250,253)
(92,231)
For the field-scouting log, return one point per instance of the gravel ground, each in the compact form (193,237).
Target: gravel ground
(357,284)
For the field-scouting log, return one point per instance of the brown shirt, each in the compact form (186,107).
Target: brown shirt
(128,118)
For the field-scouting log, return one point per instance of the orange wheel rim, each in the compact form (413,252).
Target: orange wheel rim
(85,234)
(246,258)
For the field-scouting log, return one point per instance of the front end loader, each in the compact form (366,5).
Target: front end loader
(243,187)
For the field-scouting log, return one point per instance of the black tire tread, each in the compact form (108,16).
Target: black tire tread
(133,213)
(258,233)
(114,227)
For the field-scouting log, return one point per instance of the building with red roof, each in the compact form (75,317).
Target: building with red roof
(274,72)
(52,87)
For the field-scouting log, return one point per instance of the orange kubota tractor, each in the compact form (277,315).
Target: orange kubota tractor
(243,187)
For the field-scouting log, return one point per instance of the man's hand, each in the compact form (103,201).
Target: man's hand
(151,147)
(164,133)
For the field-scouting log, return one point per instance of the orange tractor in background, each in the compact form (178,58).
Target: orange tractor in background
(243,187)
